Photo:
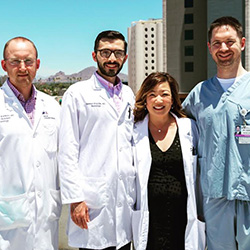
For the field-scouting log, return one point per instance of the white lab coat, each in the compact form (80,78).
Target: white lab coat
(195,230)
(96,163)
(30,203)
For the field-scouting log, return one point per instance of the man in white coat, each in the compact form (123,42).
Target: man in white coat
(29,185)
(95,153)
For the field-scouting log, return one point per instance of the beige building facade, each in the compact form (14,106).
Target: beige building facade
(145,49)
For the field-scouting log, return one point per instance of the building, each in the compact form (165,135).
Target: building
(145,44)
(185,25)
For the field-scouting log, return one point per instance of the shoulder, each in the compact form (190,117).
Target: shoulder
(197,88)
(128,91)
(126,88)
(187,126)
(141,129)
(46,97)
(50,100)
(79,88)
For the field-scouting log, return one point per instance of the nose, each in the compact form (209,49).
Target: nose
(112,57)
(158,99)
(22,66)
(223,46)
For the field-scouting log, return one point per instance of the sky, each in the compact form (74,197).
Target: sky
(64,30)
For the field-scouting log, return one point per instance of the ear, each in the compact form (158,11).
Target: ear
(3,63)
(209,47)
(37,63)
(94,56)
(243,43)
(125,58)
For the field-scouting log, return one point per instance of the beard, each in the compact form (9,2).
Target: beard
(109,72)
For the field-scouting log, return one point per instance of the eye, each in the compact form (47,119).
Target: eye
(216,44)
(14,62)
(119,53)
(230,43)
(29,62)
(151,94)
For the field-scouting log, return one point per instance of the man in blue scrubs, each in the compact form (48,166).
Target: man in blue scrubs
(221,106)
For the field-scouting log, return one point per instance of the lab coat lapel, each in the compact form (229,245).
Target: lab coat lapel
(124,105)
(39,111)
(15,103)
(105,96)
(143,154)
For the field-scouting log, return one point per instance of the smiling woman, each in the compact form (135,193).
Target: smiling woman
(163,138)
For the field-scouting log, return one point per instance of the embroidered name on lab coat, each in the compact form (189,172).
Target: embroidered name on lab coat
(95,104)
(5,118)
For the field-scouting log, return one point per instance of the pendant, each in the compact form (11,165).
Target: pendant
(159,130)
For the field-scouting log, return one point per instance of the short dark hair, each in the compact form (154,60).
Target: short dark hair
(147,86)
(21,38)
(112,35)
(226,20)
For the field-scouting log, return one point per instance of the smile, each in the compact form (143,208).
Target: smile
(111,65)
(159,107)
(224,56)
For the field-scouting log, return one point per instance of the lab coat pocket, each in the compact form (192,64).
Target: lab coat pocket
(95,192)
(131,190)
(14,212)
(49,135)
(140,224)
(55,205)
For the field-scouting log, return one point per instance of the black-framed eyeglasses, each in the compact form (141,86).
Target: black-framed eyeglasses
(106,53)
(16,62)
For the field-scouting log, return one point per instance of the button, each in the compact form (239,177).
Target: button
(38,164)
(119,204)
(39,194)
(120,149)
(120,177)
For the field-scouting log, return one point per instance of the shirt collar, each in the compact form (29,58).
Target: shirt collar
(19,95)
(110,87)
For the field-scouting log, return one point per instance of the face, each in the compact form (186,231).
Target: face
(226,47)
(109,67)
(20,75)
(159,100)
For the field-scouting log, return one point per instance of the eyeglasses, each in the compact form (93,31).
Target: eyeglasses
(16,62)
(106,53)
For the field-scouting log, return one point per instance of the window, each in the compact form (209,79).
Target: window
(189,34)
(189,50)
(189,3)
(189,66)
(188,18)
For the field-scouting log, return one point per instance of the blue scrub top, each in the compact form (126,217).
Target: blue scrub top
(224,163)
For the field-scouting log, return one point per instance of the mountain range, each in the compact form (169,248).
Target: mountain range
(80,76)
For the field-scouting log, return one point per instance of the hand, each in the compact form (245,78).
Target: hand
(80,214)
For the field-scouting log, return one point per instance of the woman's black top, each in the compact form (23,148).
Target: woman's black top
(167,198)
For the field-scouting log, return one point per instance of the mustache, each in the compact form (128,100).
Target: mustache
(112,63)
